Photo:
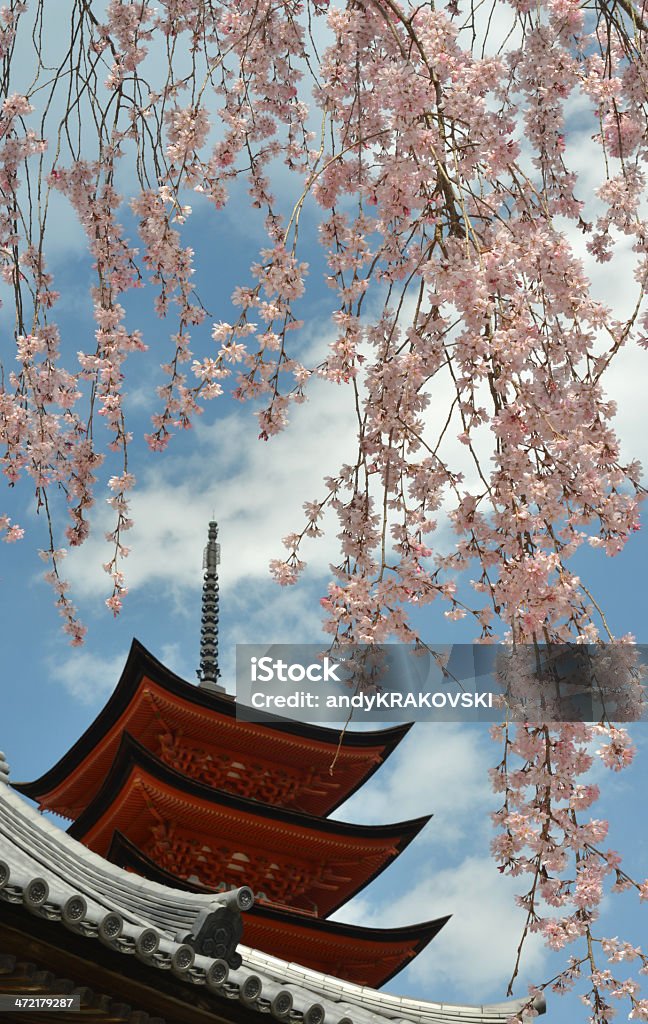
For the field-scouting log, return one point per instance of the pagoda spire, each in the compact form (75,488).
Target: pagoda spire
(209,672)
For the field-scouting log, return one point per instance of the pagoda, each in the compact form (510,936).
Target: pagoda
(168,783)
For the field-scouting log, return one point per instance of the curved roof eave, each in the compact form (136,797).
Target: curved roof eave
(140,662)
(126,854)
(131,754)
(122,848)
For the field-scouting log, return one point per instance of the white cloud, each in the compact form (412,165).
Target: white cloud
(264,614)
(255,489)
(484,932)
(439,769)
(474,954)
(88,677)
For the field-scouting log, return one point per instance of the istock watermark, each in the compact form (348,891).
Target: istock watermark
(460,682)
(265,670)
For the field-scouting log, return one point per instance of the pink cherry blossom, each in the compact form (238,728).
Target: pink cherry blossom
(442,176)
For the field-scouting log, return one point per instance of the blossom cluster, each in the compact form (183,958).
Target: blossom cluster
(542,834)
(436,284)
(440,171)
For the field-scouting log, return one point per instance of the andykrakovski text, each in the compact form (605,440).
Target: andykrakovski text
(371,701)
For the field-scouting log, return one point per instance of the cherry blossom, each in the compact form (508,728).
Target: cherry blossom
(433,153)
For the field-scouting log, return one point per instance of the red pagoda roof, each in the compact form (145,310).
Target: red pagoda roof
(196,732)
(366,956)
(168,782)
(215,838)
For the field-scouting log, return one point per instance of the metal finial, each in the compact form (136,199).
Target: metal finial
(209,672)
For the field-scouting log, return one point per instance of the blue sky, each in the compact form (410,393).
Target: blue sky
(255,490)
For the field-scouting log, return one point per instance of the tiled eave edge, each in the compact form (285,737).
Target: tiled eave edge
(379,1006)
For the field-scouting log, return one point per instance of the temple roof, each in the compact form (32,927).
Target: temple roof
(168,782)
(367,956)
(288,857)
(196,730)
(47,874)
